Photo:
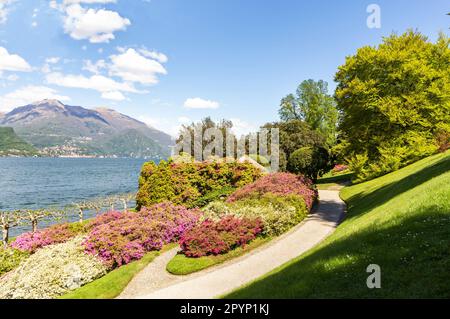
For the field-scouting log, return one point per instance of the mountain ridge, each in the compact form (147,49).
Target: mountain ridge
(57,129)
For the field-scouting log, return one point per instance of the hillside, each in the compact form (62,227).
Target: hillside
(400,221)
(13,145)
(59,129)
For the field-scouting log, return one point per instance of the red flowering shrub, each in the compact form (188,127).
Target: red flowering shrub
(213,238)
(281,184)
(128,236)
(56,234)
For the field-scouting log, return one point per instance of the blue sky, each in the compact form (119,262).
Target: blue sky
(168,62)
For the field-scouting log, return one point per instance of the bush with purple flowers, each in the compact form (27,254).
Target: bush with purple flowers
(218,237)
(281,184)
(56,234)
(128,236)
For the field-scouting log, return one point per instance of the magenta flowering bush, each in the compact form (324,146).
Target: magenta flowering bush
(128,236)
(56,234)
(281,184)
(339,168)
(104,219)
(218,237)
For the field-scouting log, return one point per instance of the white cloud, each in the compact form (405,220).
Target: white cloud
(241,127)
(166,125)
(99,83)
(96,67)
(27,95)
(12,62)
(96,25)
(69,2)
(12,77)
(134,67)
(53,60)
(113,95)
(158,56)
(34,24)
(4,10)
(198,103)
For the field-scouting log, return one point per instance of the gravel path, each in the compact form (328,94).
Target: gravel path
(155,283)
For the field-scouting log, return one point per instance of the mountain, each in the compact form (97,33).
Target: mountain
(64,130)
(13,145)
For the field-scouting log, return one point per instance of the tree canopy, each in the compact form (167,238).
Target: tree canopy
(313,105)
(394,100)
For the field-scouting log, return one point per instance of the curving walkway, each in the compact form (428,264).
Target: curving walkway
(155,282)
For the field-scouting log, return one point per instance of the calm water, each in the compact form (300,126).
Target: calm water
(45,182)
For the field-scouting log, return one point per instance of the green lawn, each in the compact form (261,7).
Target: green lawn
(400,221)
(113,283)
(331,181)
(182,265)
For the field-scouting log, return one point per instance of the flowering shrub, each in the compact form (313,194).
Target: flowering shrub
(278,213)
(339,168)
(281,184)
(51,272)
(104,219)
(218,237)
(128,236)
(185,183)
(56,234)
(10,258)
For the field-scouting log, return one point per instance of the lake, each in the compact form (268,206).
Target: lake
(47,182)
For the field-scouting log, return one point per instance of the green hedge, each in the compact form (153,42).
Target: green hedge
(189,183)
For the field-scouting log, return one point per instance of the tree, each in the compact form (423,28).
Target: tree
(7,221)
(393,100)
(309,161)
(295,134)
(35,215)
(313,105)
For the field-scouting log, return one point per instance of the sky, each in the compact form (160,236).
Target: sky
(170,62)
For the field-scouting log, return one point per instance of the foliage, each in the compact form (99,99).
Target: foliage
(182,265)
(399,221)
(30,242)
(314,105)
(278,213)
(218,194)
(339,168)
(129,236)
(10,258)
(114,282)
(185,183)
(281,184)
(51,272)
(394,102)
(309,161)
(218,237)
(12,145)
(295,134)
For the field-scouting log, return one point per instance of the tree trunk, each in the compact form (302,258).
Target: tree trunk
(125,207)
(112,207)
(5,235)
(80,214)
(34,224)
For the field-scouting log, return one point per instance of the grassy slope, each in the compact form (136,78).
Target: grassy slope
(400,221)
(182,265)
(113,283)
(11,144)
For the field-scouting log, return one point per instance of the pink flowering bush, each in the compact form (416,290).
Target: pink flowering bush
(281,184)
(56,234)
(104,219)
(339,168)
(128,236)
(218,237)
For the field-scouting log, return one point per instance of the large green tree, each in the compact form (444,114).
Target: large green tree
(314,105)
(394,101)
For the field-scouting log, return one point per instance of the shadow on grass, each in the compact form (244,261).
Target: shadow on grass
(344,178)
(362,202)
(414,257)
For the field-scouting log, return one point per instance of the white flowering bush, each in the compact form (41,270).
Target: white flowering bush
(52,271)
(278,213)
